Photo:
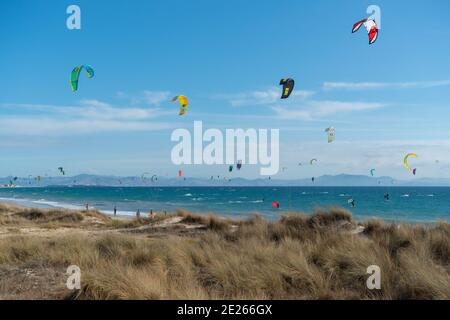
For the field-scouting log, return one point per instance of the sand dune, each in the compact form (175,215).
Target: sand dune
(188,256)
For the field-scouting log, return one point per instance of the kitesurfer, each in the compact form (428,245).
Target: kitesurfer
(352,202)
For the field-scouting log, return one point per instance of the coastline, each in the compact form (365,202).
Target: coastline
(49,204)
(42,204)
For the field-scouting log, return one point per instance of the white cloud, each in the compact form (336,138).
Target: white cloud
(383,85)
(311,110)
(90,116)
(92,109)
(261,97)
(298,106)
(24,126)
(99,110)
(155,97)
(148,97)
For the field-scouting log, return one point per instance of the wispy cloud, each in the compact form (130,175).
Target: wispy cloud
(311,110)
(148,97)
(92,109)
(89,116)
(299,106)
(24,126)
(383,85)
(260,97)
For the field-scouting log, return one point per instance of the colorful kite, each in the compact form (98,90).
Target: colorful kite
(371,27)
(76,74)
(288,87)
(183,103)
(406,164)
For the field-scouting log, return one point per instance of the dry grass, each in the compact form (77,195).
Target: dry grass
(212,222)
(296,257)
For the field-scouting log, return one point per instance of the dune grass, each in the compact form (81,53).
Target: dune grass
(296,257)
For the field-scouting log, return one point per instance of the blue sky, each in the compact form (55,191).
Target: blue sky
(384,100)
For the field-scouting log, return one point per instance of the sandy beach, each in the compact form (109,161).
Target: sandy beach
(188,256)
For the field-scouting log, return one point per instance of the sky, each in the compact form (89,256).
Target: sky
(384,100)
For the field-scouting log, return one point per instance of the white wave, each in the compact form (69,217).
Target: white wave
(42,203)
(8,198)
(56,204)
(119,212)
(174,203)
(12,199)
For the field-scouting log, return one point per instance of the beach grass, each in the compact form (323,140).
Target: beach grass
(187,256)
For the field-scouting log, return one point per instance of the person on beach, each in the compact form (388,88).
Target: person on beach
(138,213)
(115,210)
(87,206)
(151,215)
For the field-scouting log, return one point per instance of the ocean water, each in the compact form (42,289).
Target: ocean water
(418,204)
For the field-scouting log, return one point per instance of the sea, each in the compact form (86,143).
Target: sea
(415,204)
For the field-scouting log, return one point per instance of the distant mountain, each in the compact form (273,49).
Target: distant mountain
(325,180)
